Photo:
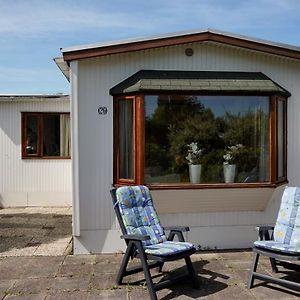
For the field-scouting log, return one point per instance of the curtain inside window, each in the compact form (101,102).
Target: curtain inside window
(262,132)
(280,140)
(126,138)
(65,138)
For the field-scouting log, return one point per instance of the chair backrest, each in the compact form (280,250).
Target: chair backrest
(136,213)
(287,228)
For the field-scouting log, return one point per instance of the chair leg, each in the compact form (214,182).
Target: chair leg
(253,269)
(180,237)
(192,273)
(159,268)
(147,274)
(273,264)
(124,263)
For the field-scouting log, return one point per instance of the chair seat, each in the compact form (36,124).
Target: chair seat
(168,248)
(276,246)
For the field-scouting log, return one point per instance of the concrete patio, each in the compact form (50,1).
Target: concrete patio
(34,231)
(38,266)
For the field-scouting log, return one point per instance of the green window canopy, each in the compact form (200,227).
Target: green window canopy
(149,81)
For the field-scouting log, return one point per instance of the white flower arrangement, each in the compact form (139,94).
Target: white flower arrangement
(232,153)
(194,154)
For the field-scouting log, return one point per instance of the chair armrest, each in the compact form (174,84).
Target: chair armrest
(263,232)
(264,228)
(176,231)
(135,237)
(177,228)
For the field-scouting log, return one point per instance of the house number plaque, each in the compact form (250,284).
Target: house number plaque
(102,110)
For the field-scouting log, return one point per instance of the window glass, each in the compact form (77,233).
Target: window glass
(51,135)
(47,135)
(219,129)
(31,135)
(280,139)
(126,139)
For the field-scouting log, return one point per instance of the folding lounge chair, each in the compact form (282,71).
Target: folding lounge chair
(280,243)
(146,239)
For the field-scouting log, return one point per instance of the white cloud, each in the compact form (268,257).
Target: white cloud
(233,15)
(37,18)
(48,17)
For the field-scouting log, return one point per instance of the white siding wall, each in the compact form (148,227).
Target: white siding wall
(30,182)
(96,76)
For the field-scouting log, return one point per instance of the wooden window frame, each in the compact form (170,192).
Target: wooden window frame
(139,137)
(284,177)
(40,118)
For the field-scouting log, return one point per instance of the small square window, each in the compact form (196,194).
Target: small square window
(46,135)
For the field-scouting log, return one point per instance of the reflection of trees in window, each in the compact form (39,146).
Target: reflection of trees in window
(172,122)
(251,130)
(168,130)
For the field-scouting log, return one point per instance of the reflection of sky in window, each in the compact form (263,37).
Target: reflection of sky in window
(219,105)
(235,105)
(150,104)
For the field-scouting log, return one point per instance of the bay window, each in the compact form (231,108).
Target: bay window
(153,132)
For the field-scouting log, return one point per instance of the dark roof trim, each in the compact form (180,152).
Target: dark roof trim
(11,98)
(88,51)
(149,81)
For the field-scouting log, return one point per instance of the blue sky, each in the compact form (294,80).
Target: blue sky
(33,31)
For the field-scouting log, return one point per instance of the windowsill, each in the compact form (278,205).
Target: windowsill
(188,186)
(183,186)
(45,157)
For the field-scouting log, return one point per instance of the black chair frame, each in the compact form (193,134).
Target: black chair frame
(277,258)
(135,249)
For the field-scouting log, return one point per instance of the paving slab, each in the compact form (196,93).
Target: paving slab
(115,294)
(39,296)
(63,295)
(29,267)
(70,284)
(27,286)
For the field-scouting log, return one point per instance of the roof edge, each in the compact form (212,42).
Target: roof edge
(33,97)
(117,47)
(63,67)
(134,84)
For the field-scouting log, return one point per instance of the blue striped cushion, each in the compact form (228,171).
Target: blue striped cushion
(287,228)
(138,214)
(168,248)
(272,245)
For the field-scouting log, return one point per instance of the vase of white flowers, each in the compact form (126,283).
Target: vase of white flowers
(229,166)
(193,158)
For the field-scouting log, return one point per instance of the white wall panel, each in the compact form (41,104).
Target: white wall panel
(98,75)
(23,176)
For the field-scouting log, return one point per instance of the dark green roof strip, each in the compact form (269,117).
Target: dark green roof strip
(193,81)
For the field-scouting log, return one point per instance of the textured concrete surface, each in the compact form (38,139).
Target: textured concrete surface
(34,264)
(223,275)
(35,231)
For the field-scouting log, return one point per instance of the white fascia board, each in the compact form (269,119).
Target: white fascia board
(75,147)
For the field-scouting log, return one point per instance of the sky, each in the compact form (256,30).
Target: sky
(33,31)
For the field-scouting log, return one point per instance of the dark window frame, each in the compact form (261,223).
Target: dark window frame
(40,116)
(139,134)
